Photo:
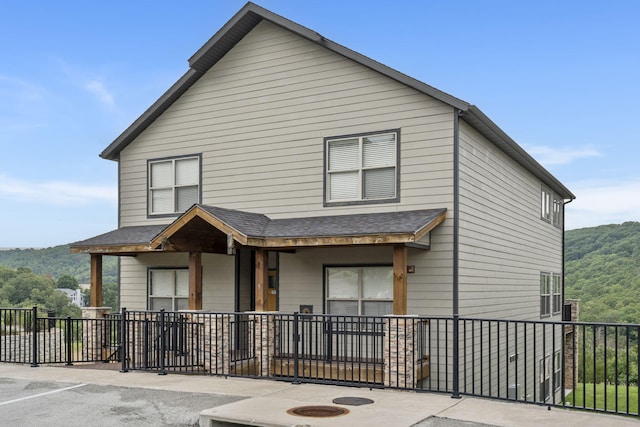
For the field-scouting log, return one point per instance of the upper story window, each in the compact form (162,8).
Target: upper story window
(362,168)
(551,207)
(174,184)
(545,294)
(557,294)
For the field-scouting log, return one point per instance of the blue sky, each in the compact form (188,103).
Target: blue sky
(561,78)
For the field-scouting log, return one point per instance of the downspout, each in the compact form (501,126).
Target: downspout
(118,269)
(563,245)
(456,242)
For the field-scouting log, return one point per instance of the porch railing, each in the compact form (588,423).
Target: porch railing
(27,336)
(591,366)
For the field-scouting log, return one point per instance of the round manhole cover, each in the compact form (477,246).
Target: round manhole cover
(353,401)
(318,411)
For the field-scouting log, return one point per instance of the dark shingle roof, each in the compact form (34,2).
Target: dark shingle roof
(259,226)
(247,223)
(135,235)
(352,225)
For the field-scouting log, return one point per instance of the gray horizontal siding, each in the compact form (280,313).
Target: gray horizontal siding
(259,117)
(504,245)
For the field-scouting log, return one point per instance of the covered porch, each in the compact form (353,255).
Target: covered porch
(213,230)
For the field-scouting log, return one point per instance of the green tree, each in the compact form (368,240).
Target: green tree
(67,281)
(27,289)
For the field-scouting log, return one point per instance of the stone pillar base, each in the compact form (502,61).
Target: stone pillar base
(95,334)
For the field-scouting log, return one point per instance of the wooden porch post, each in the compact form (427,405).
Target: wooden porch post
(195,280)
(262,279)
(95,292)
(400,280)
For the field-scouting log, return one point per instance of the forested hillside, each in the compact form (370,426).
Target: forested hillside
(57,261)
(603,272)
(602,269)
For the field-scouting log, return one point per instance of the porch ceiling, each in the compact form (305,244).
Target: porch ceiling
(212,229)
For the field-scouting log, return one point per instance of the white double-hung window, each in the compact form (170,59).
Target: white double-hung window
(174,184)
(362,168)
(169,289)
(359,290)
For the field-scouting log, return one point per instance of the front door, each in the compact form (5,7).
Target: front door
(245,279)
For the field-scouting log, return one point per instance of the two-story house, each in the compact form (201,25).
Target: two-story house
(285,172)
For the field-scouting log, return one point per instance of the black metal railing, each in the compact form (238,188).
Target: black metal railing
(592,366)
(27,336)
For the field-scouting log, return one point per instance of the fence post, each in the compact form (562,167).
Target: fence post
(123,340)
(68,341)
(456,356)
(163,345)
(296,354)
(34,338)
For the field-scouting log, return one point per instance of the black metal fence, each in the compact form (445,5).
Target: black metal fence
(30,337)
(591,366)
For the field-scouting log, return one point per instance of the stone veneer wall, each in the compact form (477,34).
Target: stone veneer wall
(400,339)
(96,342)
(571,346)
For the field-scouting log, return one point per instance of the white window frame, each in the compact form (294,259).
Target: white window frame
(556,294)
(178,297)
(545,294)
(551,207)
(557,370)
(545,204)
(174,187)
(360,299)
(557,211)
(544,371)
(361,170)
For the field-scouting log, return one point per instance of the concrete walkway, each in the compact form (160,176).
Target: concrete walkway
(267,401)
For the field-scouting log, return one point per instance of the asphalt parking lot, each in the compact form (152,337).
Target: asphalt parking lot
(52,403)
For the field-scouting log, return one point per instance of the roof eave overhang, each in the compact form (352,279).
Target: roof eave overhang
(112,249)
(291,242)
(225,39)
(483,124)
(188,216)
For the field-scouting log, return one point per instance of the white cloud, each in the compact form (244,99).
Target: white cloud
(98,88)
(89,80)
(602,202)
(57,192)
(549,156)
